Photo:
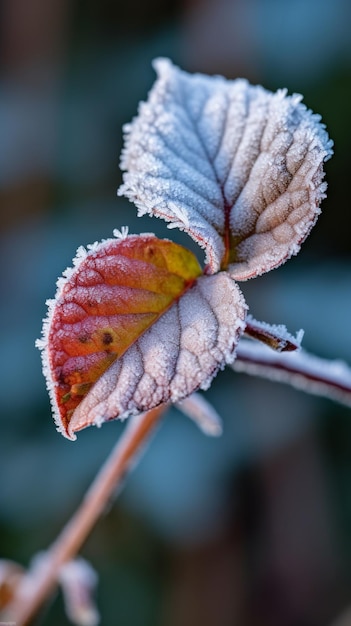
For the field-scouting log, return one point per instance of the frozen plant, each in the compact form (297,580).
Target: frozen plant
(137,323)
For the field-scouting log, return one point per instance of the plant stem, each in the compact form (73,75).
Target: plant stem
(275,336)
(300,369)
(40,581)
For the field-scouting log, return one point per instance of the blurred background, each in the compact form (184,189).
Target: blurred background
(254,528)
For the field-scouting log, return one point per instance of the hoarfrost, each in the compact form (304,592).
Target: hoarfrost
(235,166)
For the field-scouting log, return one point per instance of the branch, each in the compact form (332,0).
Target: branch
(40,581)
(331,379)
(275,336)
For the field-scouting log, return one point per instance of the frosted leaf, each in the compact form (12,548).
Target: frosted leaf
(202,413)
(78,582)
(180,353)
(11,575)
(114,292)
(235,166)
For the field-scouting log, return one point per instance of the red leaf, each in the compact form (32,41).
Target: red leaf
(115,292)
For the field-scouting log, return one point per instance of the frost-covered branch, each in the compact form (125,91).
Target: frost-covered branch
(331,379)
(276,336)
(137,322)
(42,578)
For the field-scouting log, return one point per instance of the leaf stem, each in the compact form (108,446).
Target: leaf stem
(274,336)
(300,369)
(40,581)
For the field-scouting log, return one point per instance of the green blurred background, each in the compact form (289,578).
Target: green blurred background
(253,529)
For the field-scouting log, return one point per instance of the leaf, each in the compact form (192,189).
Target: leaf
(202,413)
(237,167)
(11,575)
(78,581)
(128,319)
(115,292)
(180,353)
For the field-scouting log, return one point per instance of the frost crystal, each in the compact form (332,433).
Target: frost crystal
(237,167)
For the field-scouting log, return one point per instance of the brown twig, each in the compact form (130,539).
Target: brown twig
(41,580)
(274,336)
(299,369)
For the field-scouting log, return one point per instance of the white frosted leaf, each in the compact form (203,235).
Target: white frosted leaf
(179,354)
(202,413)
(237,167)
(78,582)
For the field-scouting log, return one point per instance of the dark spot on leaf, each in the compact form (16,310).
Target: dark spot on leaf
(107,338)
(61,377)
(83,338)
(150,250)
